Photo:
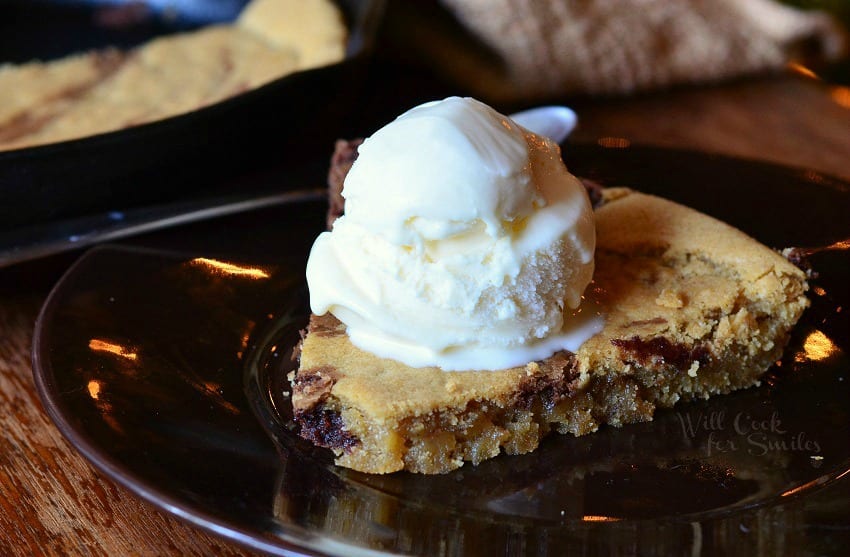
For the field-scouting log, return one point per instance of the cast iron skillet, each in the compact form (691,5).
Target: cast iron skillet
(178,157)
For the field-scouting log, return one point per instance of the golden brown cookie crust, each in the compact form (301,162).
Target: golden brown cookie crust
(692,306)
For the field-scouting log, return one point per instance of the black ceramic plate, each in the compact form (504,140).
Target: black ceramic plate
(281,123)
(166,368)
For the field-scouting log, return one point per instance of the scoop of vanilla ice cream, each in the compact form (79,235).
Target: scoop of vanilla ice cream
(465,243)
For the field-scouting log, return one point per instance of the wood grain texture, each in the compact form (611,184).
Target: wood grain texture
(52,502)
(790,120)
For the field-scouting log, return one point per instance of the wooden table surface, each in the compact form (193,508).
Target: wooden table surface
(54,502)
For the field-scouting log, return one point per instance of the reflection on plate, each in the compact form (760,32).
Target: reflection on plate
(166,369)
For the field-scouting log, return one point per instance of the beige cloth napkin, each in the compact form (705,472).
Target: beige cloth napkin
(555,47)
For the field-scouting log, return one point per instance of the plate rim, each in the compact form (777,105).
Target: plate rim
(43,377)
